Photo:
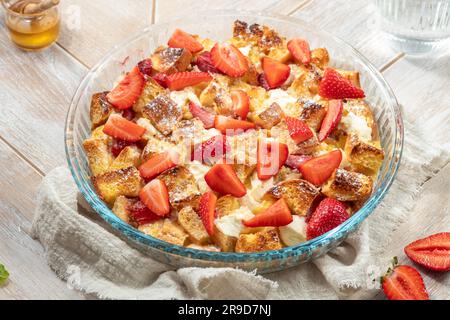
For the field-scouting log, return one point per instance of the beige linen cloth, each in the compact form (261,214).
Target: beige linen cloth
(81,249)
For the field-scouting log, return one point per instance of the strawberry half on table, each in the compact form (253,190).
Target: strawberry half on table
(271,156)
(328,215)
(334,86)
(223,179)
(229,60)
(156,197)
(275,72)
(182,39)
(319,169)
(332,119)
(180,80)
(207,208)
(299,49)
(432,252)
(277,215)
(125,94)
(120,128)
(298,130)
(404,283)
(158,164)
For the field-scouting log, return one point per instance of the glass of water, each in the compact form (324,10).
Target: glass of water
(415,26)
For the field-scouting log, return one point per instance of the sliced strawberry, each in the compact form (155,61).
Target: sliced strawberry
(241,103)
(332,118)
(161,78)
(121,128)
(207,209)
(294,161)
(211,150)
(181,39)
(277,215)
(141,214)
(275,72)
(205,64)
(228,59)
(271,156)
(228,125)
(328,215)
(128,114)
(432,252)
(181,80)
(299,48)
(156,197)
(158,164)
(223,179)
(319,169)
(334,86)
(125,94)
(263,81)
(298,130)
(118,145)
(205,116)
(404,283)
(146,67)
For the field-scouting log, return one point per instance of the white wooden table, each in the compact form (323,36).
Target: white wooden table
(36,88)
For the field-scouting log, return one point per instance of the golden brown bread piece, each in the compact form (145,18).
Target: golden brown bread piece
(225,205)
(364,157)
(243,171)
(120,208)
(352,76)
(320,57)
(123,182)
(264,37)
(286,173)
(191,222)
(163,113)
(346,185)
(216,97)
(299,194)
(128,157)
(307,84)
(361,109)
(98,154)
(270,117)
(100,109)
(156,144)
(224,242)
(152,229)
(171,60)
(166,230)
(312,113)
(259,241)
(151,90)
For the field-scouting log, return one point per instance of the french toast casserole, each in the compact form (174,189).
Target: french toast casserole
(246,145)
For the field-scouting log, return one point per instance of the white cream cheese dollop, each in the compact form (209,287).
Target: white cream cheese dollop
(245,50)
(231,225)
(295,232)
(199,170)
(358,125)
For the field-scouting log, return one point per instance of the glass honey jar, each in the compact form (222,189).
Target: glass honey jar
(31,31)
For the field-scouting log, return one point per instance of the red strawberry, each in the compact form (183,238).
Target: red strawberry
(319,169)
(205,116)
(328,215)
(181,39)
(271,156)
(228,59)
(277,215)
(299,48)
(205,64)
(128,114)
(275,72)
(118,145)
(156,197)
(241,103)
(211,150)
(432,252)
(181,80)
(294,161)
(141,214)
(404,283)
(146,67)
(298,130)
(228,125)
(223,179)
(161,78)
(334,86)
(332,118)
(263,81)
(207,209)
(158,164)
(121,128)
(125,94)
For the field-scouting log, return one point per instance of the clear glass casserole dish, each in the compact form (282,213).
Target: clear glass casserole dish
(218,26)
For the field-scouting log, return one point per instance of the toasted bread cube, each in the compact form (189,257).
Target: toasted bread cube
(307,83)
(363,156)
(163,113)
(181,185)
(280,53)
(348,186)
(270,117)
(287,173)
(153,229)
(259,241)
(124,182)
(98,154)
(121,206)
(130,156)
(352,76)
(224,242)
(173,233)
(207,43)
(361,109)
(191,222)
(251,76)
(171,60)
(320,57)
(151,90)
(216,98)
(312,113)
(243,171)
(100,109)
(225,205)
(155,145)
(299,194)
(98,133)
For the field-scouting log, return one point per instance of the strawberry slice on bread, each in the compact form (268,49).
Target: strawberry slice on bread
(298,130)
(158,164)
(277,215)
(182,39)
(180,80)
(319,169)
(125,94)
(299,49)
(404,283)
(120,128)
(271,156)
(241,103)
(275,72)
(223,179)
(207,208)
(156,197)
(331,120)
(328,215)
(140,214)
(229,60)
(334,86)
(432,252)
(204,115)
(228,125)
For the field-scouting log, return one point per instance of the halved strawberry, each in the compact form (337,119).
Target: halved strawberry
(125,94)
(156,197)
(211,150)
(181,80)
(328,215)
(263,81)
(298,130)
(145,67)
(332,118)
(228,125)
(228,59)
(204,115)
(277,215)
(205,64)
(275,72)
(223,179)
(271,156)
(141,214)
(319,169)
(206,210)
(182,39)
(334,86)
(294,161)
(158,164)
(118,145)
(432,252)
(161,78)
(404,283)
(299,48)
(241,103)
(121,128)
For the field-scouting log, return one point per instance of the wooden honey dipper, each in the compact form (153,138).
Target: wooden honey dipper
(31,7)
